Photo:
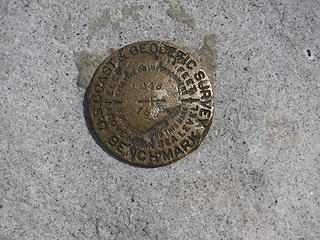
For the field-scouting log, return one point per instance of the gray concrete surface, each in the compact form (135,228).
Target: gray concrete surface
(256,175)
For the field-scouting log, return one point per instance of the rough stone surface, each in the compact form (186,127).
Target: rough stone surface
(87,63)
(105,18)
(207,54)
(256,175)
(178,13)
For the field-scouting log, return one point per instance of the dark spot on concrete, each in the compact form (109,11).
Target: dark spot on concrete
(308,52)
(256,179)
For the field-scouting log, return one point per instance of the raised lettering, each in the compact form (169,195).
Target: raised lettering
(154,157)
(191,62)
(203,122)
(95,98)
(133,50)
(120,147)
(185,75)
(206,94)
(167,155)
(141,155)
(142,48)
(101,125)
(98,88)
(199,75)
(177,151)
(194,139)
(204,112)
(153,47)
(205,104)
(113,140)
(185,144)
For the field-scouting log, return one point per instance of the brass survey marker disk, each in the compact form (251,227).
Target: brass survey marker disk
(150,103)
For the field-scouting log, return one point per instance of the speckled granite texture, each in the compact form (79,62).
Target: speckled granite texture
(255,176)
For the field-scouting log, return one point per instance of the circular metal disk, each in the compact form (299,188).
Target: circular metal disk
(150,103)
